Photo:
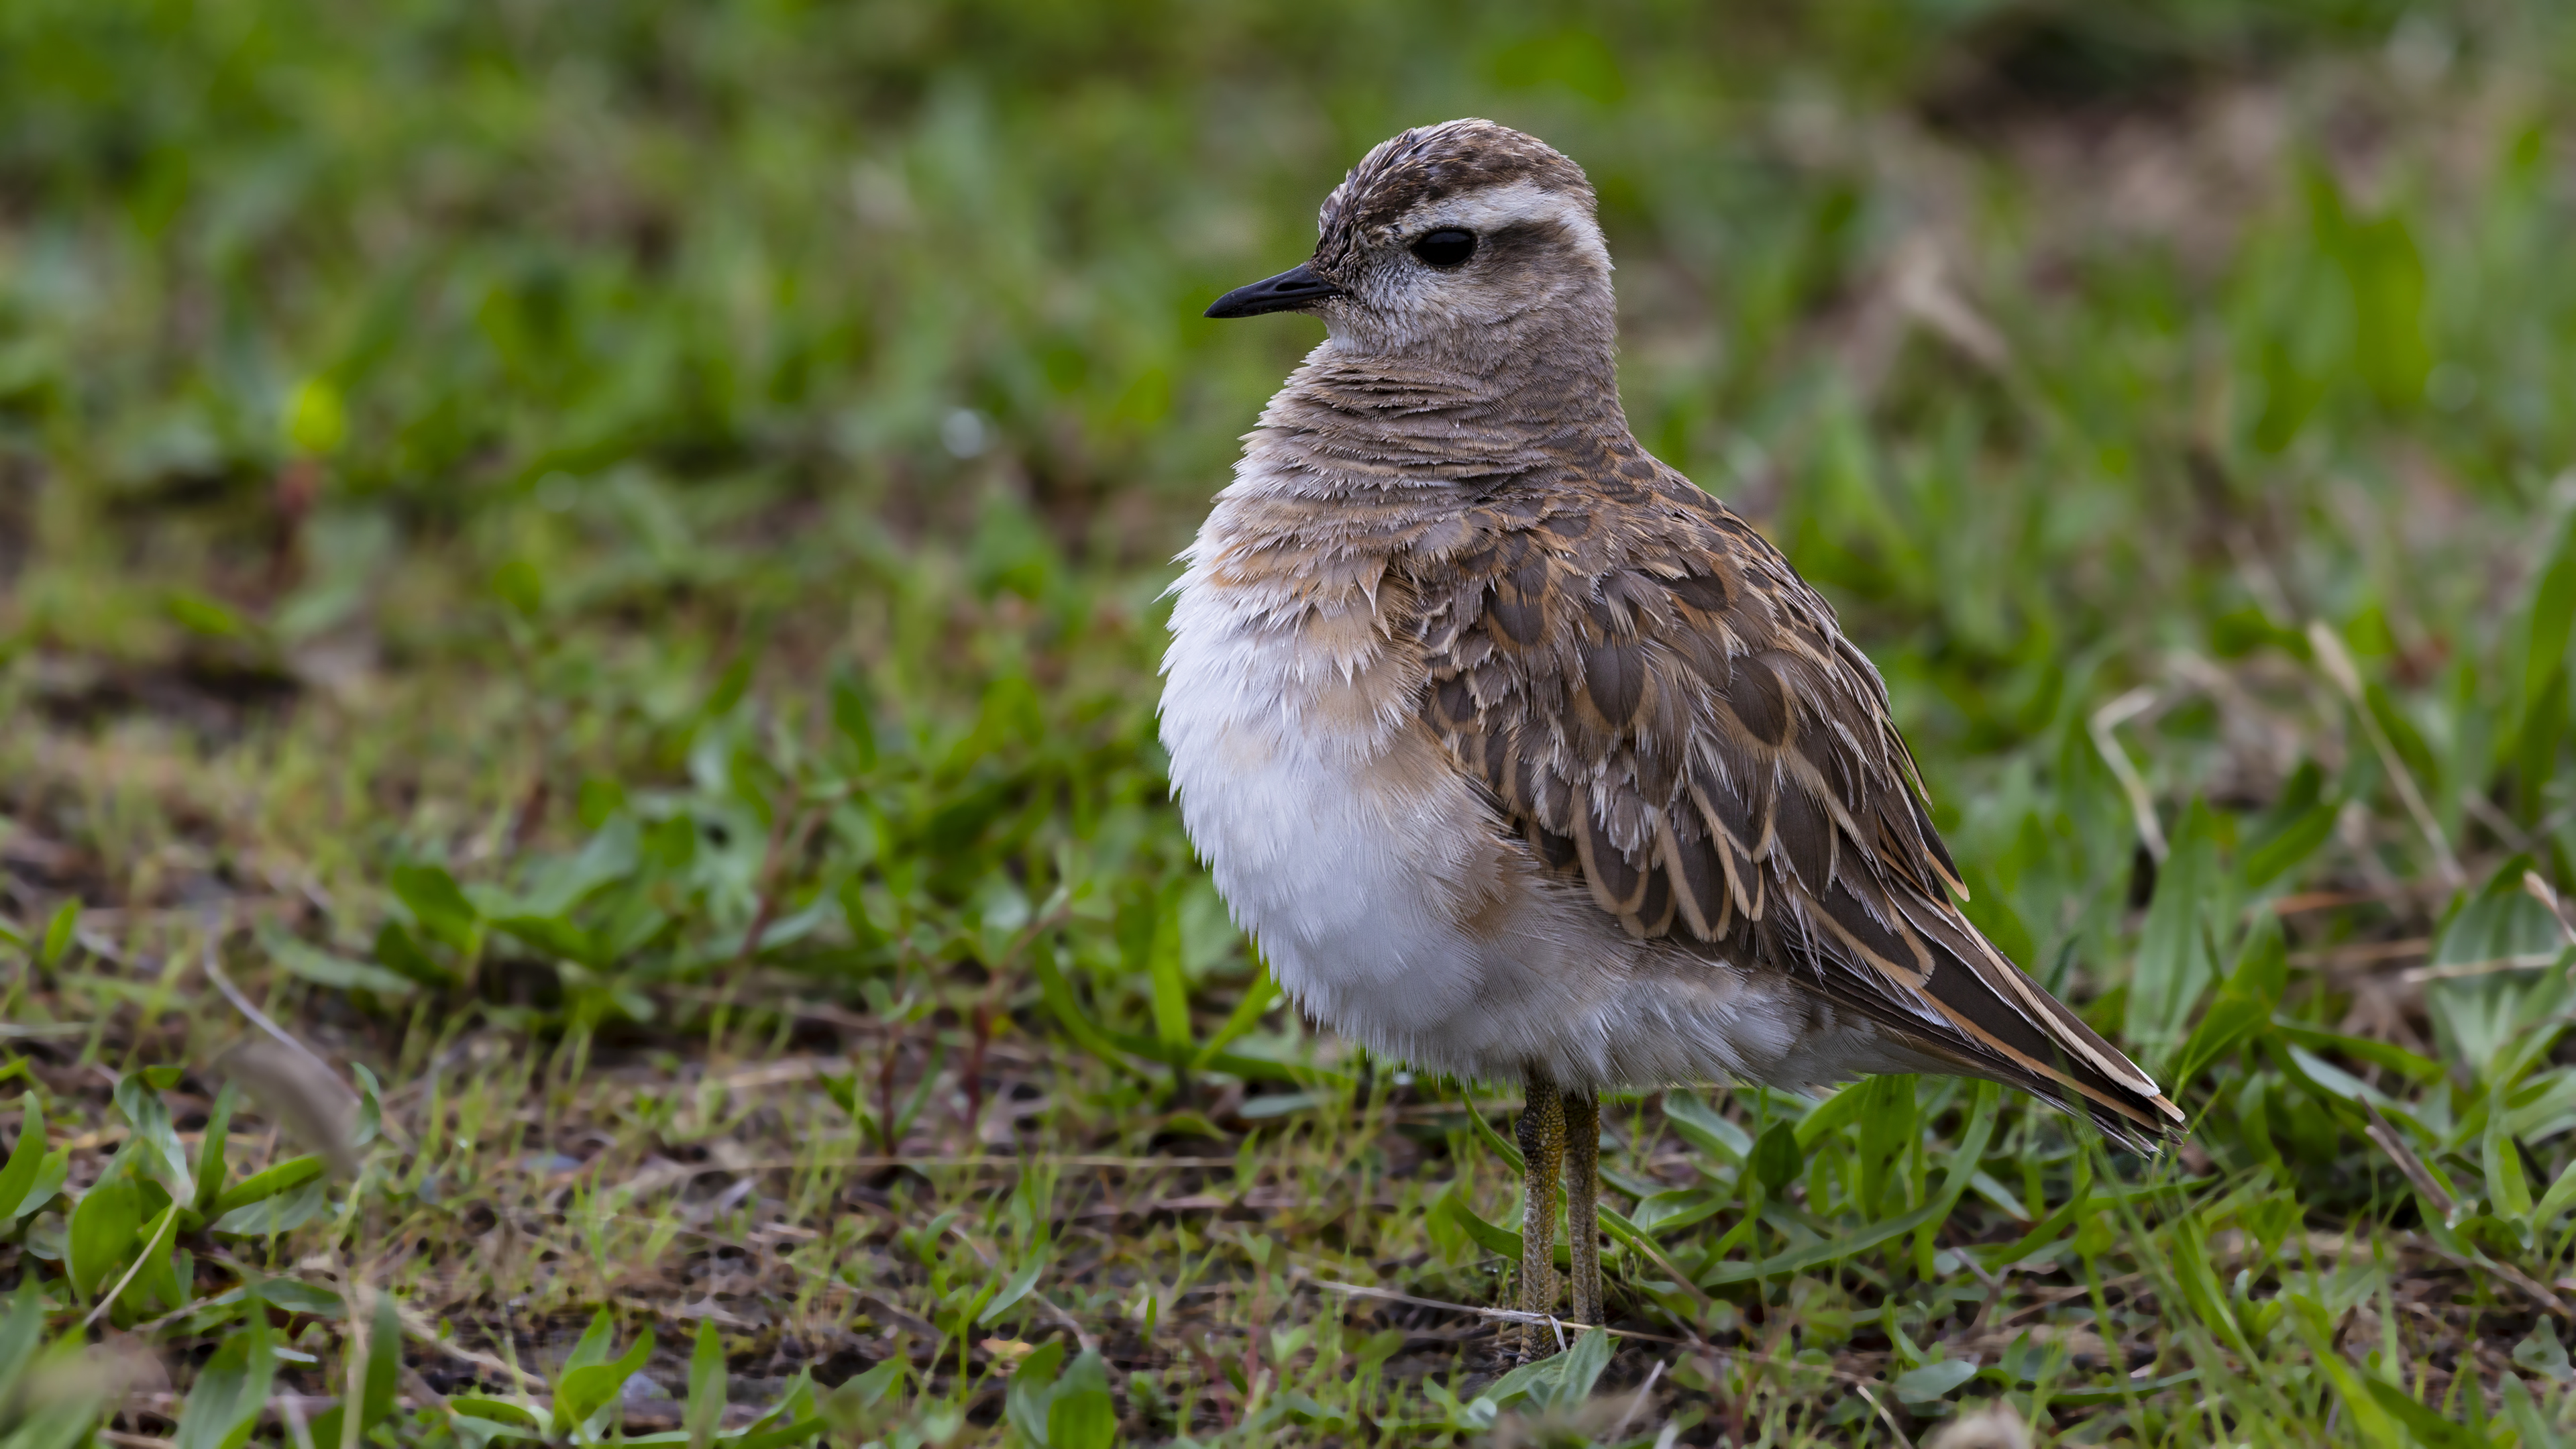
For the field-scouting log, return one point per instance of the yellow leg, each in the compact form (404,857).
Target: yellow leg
(1582,1201)
(1542,1134)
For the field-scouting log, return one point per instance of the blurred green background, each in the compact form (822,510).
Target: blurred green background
(589,351)
(537,517)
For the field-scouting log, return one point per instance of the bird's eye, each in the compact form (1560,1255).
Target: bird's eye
(1446,247)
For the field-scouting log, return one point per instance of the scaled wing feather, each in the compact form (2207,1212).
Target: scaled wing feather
(1660,706)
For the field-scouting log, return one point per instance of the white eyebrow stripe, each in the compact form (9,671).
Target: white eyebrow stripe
(1511,204)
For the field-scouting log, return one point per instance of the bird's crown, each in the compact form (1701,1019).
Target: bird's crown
(1427,164)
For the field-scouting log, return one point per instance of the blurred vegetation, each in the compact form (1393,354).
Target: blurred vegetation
(599,566)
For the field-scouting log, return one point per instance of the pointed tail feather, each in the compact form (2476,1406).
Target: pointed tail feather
(2018,1034)
(1919,968)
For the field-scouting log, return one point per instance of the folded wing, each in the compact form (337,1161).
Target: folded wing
(1668,712)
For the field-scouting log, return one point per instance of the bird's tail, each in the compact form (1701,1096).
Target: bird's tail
(1961,1002)
(2015,1033)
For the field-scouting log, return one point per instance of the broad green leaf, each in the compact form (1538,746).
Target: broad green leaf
(2385,270)
(583,1392)
(2552,617)
(21,1329)
(1668,1212)
(1933,1380)
(1584,1361)
(212,1145)
(2190,1262)
(2543,1104)
(708,1383)
(269,1216)
(1032,1388)
(2531,1428)
(384,1363)
(474,1430)
(2500,1162)
(1886,1130)
(1497,1240)
(223,1406)
(157,1149)
(1702,1127)
(2299,822)
(2335,1082)
(327,968)
(2406,1064)
(59,934)
(294,1172)
(597,1341)
(1247,1014)
(499,1411)
(102,1230)
(877,1382)
(1831,1115)
(370,1117)
(1777,1159)
(782,1435)
(555,936)
(843,1089)
(2540,1352)
(399,952)
(852,721)
(2046,1231)
(2244,1004)
(315,421)
(558,886)
(1080,1413)
(18,1174)
(437,903)
(66,1421)
(376,1374)
(2175,964)
(1534,1380)
(2559,1198)
(154,1255)
(847,1408)
(2501,1021)
(2428,1427)
(1013,1290)
(51,1174)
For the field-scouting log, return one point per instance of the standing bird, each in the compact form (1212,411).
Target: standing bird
(1519,755)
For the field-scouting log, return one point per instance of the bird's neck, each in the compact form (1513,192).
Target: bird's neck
(1354,423)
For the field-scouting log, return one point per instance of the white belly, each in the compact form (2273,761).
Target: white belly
(1340,847)
(1385,899)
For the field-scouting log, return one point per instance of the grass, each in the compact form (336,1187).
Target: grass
(599,569)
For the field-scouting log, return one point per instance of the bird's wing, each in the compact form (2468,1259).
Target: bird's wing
(1665,709)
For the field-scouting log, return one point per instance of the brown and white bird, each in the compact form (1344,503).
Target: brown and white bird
(1522,757)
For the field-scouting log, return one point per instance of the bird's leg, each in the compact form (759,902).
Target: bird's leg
(1542,1134)
(1582,1200)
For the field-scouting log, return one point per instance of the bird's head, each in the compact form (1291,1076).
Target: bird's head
(1467,242)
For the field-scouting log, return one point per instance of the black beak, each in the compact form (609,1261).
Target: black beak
(1290,290)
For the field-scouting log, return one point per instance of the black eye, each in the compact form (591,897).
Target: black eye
(1446,247)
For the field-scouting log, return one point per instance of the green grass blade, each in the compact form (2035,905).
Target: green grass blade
(708,1382)
(18,1175)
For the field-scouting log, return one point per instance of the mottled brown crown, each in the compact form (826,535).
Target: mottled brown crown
(1429,163)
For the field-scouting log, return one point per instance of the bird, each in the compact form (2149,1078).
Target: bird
(1521,757)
